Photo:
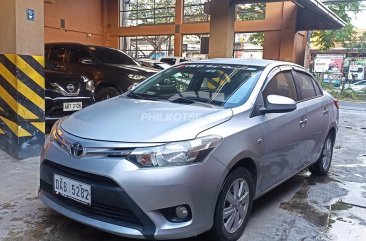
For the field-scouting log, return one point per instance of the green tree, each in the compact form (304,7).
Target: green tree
(254,11)
(358,44)
(326,39)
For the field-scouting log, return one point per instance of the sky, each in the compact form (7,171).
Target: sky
(359,20)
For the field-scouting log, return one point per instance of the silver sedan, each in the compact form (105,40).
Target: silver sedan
(189,149)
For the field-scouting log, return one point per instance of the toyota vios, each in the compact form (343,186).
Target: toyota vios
(189,149)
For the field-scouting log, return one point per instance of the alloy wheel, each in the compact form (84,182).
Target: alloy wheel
(236,205)
(327,153)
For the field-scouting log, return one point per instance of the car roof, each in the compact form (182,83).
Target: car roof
(78,44)
(254,62)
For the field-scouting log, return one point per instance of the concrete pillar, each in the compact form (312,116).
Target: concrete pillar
(222,29)
(178,37)
(22,77)
(284,44)
(111,21)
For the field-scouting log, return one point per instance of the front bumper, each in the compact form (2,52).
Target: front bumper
(143,192)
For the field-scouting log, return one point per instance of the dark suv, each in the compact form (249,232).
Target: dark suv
(66,93)
(111,70)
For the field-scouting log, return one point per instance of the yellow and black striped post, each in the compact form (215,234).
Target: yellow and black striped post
(22,105)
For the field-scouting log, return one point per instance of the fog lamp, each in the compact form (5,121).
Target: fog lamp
(181,212)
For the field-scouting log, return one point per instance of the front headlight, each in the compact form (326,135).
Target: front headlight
(175,154)
(89,84)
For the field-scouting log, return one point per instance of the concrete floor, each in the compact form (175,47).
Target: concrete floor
(303,208)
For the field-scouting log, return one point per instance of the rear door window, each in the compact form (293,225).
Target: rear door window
(318,90)
(77,54)
(305,86)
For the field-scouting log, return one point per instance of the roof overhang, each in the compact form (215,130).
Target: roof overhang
(311,14)
(314,15)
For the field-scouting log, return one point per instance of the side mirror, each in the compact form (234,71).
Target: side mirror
(86,61)
(278,104)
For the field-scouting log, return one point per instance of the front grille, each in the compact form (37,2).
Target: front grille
(109,202)
(70,88)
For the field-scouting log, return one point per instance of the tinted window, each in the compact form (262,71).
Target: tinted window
(76,54)
(281,84)
(318,90)
(57,54)
(168,61)
(111,56)
(217,85)
(305,86)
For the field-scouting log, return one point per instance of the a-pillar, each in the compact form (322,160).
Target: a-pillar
(222,29)
(285,43)
(22,77)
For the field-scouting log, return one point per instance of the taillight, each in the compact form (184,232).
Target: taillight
(336,103)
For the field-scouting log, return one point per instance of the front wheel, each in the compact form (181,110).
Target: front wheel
(106,93)
(233,206)
(322,165)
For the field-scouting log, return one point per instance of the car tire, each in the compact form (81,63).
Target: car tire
(230,226)
(106,93)
(322,165)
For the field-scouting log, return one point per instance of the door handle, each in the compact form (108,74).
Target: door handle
(325,111)
(303,122)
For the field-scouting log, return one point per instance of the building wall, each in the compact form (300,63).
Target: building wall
(83,21)
(96,22)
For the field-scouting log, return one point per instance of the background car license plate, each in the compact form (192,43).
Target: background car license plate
(72,106)
(69,188)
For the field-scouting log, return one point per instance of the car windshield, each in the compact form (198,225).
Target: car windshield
(211,85)
(112,56)
(356,70)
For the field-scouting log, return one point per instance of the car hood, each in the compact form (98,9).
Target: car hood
(123,119)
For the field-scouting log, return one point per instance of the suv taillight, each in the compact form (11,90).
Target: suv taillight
(336,103)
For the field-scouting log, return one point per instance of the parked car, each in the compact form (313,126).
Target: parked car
(358,86)
(66,93)
(173,60)
(111,70)
(170,161)
(153,64)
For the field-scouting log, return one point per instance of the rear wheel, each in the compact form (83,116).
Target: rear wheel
(106,93)
(322,165)
(233,206)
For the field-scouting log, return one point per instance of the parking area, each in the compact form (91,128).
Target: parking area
(303,208)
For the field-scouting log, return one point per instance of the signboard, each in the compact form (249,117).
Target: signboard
(30,14)
(326,63)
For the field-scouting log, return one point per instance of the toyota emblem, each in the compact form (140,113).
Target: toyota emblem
(76,150)
(70,87)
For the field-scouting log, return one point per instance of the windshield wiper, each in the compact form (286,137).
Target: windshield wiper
(182,100)
(145,96)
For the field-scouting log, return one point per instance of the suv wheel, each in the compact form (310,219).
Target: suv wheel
(322,165)
(234,206)
(106,93)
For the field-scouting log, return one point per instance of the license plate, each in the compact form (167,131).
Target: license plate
(73,106)
(72,189)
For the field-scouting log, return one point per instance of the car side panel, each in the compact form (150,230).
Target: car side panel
(284,143)
(318,127)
